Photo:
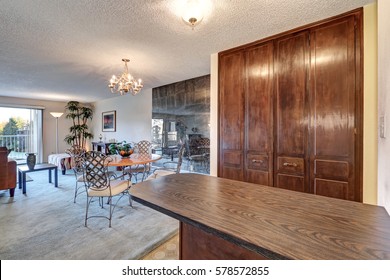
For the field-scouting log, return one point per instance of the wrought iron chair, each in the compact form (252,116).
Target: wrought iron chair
(99,184)
(142,148)
(198,154)
(79,174)
(169,167)
(77,156)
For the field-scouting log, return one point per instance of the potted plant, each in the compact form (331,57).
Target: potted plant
(79,115)
(123,148)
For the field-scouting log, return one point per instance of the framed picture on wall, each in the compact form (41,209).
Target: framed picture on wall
(109,121)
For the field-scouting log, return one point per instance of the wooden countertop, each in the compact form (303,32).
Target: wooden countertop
(276,223)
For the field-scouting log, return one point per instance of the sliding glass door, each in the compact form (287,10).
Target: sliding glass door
(21,132)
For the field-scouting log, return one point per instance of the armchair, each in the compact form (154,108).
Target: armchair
(7,172)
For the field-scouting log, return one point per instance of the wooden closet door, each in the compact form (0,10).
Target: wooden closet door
(231,115)
(291,112)
(333,105)
(259,128)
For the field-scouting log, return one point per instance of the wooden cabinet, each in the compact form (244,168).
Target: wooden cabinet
(291,114)
(258,114)
(334,97)
(232,121)
(290,110)
(246,86)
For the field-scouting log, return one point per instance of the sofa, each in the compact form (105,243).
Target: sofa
(7,172)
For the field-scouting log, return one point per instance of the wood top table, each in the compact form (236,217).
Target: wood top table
(266,222)
(134,159)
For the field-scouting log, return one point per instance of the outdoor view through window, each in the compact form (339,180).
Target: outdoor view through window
(20,130)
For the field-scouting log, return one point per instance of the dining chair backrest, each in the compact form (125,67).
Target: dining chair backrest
(78,164)
(95,166)
(77,157)
(198,146)
(144,147)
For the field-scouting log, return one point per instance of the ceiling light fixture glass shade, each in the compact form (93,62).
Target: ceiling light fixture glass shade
(192,14)
(125,83)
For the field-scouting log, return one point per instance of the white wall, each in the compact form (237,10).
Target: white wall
(370,105)
(384,102)
(214,114)
(49,123)
(133,117)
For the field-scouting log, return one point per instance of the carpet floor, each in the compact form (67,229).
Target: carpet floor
(45,224)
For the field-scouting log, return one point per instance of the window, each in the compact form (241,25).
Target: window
(21,132)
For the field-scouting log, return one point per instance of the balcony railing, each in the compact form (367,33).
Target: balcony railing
(19,144)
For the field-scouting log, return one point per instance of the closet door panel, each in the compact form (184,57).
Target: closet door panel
(231,118)
(291,182)
(290,109)
(333,105)
(258,128)
(331,188)
(291,113)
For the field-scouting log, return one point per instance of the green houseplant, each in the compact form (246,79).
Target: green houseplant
(79,115)
(123,148)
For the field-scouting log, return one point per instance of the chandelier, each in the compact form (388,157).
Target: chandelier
(125,83)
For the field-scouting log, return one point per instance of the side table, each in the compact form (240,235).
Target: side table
(23,169)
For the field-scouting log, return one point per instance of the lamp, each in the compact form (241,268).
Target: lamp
(125,83)
(56,115)
(192,14)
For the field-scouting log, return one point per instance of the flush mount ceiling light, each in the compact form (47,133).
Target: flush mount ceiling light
(125,83)
(192,13)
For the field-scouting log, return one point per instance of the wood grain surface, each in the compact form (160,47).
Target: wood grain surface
(134,159)
(291,104)
(276,223)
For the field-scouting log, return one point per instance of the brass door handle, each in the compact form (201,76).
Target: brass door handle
(257,161)
(290,164)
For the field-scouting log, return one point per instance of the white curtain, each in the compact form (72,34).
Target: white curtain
(35,143)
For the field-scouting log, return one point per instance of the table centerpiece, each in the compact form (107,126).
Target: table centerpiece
(123,149)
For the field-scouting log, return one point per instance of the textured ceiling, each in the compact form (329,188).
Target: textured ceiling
(63,50)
